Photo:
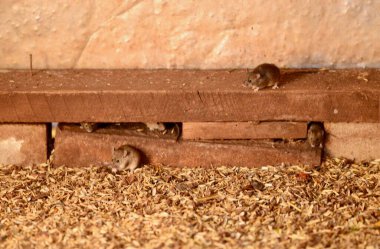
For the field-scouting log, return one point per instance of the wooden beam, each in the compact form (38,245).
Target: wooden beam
(356,141)
(243,130)
(186,96)
(74,147)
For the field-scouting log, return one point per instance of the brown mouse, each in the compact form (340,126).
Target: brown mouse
(156,126)
(264,75)
(89,127)
(315,135)
(125,157)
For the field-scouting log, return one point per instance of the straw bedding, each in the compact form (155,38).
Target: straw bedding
(336,205)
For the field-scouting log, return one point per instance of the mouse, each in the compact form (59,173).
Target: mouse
(89,127)
(264,75)
(177,130)
(156,126)
(174,128)
(315,135)
(125,157)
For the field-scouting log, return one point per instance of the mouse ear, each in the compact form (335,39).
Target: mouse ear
(126,153)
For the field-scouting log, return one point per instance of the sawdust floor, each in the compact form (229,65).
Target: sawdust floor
(337,205)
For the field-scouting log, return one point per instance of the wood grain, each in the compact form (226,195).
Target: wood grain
(243,130)
(75,147)
(187,96)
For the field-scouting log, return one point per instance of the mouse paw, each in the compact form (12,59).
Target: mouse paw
(255,89)
(275,86)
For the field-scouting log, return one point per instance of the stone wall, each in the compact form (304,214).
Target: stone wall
(189,34)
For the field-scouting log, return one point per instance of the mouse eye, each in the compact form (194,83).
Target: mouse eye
(118,161)
(249,80)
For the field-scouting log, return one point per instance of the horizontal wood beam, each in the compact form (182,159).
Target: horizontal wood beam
(75,147)
(186,96)
(243,130)
(356,141)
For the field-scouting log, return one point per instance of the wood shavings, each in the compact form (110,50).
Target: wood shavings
(336,205)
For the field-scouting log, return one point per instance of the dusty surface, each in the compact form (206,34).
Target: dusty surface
(140,80)
(78,148)
(187,95)
(352,140)
(188,34)
(271,207)
(23,144)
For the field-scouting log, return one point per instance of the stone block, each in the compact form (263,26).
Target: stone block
(23,144)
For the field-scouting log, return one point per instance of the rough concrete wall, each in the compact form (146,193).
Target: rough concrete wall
(189,34)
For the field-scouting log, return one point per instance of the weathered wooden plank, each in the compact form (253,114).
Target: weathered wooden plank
(356,141)
(243,130)
(74,147)
(8,110)
(186,96)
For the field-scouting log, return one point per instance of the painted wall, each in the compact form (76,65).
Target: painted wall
(189,33)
